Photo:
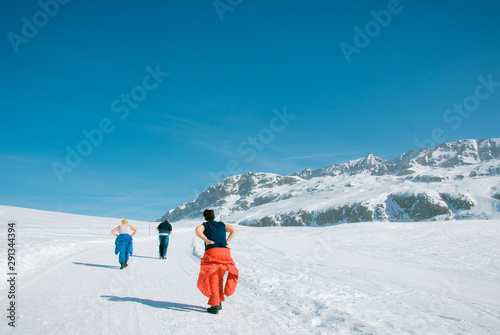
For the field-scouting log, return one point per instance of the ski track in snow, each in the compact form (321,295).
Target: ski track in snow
(363,278)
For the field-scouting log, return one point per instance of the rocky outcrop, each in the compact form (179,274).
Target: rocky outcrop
(428,179)
(347,213)
(490,168)
(458,202)
(416,207)
(265,199)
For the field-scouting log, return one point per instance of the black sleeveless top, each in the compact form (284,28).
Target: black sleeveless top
(215,231)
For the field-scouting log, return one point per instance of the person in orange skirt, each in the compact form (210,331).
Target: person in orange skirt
(216,261)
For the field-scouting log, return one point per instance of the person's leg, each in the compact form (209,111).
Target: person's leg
(213,280)
(121,255)
(222,272)
(127,251)
(165,248)
(162,253)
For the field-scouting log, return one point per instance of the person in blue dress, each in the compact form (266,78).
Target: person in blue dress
(123,242)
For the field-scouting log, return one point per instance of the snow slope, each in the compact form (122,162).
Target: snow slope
(361,278)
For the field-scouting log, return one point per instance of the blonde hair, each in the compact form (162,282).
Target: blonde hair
(124,221)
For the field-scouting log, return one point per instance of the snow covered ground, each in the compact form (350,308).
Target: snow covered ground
(361,278)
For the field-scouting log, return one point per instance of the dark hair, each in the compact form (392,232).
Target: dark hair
(209,214)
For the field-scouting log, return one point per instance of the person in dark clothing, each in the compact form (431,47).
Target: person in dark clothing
(164,229)
(216,261)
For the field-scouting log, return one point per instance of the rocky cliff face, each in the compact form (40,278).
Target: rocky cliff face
(240,186)
(454,180)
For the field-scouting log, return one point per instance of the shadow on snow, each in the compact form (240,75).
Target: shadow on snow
(98,265)
(136,256)
(158,304)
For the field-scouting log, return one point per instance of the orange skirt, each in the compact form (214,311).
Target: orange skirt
(217,261)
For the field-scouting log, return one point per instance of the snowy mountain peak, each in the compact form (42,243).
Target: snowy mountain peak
(447,181)
(463,152)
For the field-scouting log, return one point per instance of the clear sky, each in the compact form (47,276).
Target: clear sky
(128,109)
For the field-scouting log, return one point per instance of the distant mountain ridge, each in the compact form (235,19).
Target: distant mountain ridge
(453,180)
(463,152)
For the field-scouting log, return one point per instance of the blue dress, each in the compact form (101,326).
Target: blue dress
(124,246)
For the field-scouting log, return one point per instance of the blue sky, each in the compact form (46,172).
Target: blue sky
(128,109)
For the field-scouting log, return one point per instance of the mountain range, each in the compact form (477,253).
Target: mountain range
(456,180)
